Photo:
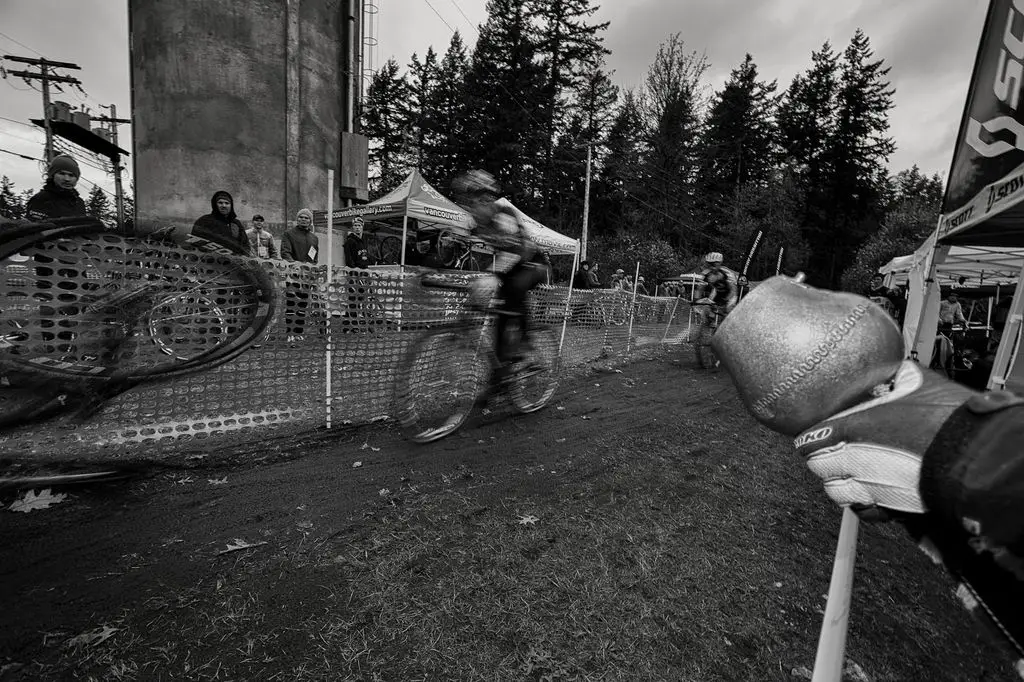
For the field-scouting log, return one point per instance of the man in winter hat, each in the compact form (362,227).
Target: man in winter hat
(58,198)
(221,224)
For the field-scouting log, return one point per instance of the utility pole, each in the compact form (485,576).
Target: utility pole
(586,210)
(46,76)
(115,158)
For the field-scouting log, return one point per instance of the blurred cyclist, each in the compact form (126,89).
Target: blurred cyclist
(518,262)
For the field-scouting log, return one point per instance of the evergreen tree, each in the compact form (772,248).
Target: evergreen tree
(674,100)
(806,115)
(740,137)
(505,102)
(570,49)
(444,156)
(594,102)
(619,176)
(98,205)
(858,153)
(11,205)
(129,212)
(423,122)
(386,124)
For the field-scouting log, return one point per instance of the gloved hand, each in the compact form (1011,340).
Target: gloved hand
(869,456)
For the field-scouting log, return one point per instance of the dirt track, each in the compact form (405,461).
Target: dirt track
(655,434)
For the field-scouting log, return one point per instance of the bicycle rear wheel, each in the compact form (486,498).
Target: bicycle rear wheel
(706,356)
(439,381)
(389,251)
(82,302)
(535,378)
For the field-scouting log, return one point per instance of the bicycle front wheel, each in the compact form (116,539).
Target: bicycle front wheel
(93,304)
(390,251)
(536,379)
(439,382)
(706,356)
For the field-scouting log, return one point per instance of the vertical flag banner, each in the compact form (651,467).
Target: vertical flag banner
(982,204)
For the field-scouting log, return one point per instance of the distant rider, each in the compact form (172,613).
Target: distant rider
(721,288)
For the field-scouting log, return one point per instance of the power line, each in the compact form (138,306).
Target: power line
(22,44)
(463,15)
(81,177)
(439,16)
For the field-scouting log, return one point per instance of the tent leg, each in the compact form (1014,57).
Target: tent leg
(1006,371)
(924,337)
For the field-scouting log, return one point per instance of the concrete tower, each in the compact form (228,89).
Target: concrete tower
(258,98)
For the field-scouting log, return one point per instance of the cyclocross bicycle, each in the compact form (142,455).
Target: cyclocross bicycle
(444,374)
(89,312)
(457,254)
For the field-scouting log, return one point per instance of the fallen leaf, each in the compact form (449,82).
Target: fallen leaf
(184,481)
(239,544)
(383,492)
(301,507)
(560,407)
(217,481)
(559,440)
(778,584)
(527,520)
(304,525)
(31,501)
(93,637)
(802,672)
(356,465)
(618,371)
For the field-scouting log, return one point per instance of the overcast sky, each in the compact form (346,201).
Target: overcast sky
(930,45)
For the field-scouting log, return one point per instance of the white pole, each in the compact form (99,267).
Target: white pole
(405,232)
(632,307)
(831,656)
(586,211)
(568,298)
(327,285)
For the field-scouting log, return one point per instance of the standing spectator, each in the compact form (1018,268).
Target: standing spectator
(356,255)
(617,279)
(261,241)
(951,312)
(58,198)
(593,278)
(641,287)
(299,245)
(221,224)
(581,280)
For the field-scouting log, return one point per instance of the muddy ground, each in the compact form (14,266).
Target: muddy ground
(640,527)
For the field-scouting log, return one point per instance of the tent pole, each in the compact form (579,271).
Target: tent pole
(928,320)
(405,235)
(1009,343)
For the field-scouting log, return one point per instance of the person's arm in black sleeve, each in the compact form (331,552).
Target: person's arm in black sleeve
(37,208)
(972,484)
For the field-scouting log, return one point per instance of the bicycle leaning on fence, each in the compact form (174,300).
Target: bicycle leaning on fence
(89,313)
(445,372)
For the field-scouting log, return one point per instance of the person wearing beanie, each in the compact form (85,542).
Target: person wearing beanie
(222,225)
(58,198)
(298,243)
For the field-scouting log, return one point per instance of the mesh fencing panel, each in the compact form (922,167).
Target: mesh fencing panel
(360,325)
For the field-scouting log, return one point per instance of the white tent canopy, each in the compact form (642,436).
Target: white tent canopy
(556,243)
(979,265)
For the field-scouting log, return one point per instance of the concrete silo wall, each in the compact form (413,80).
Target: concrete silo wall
(240,96)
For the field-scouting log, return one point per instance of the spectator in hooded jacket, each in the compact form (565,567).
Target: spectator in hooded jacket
(356,255)
(58,198)
(298,243)
(221,224)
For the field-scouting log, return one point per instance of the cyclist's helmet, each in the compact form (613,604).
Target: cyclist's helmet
(475,183)
(713,257)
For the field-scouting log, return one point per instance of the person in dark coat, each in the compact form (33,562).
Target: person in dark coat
(221,224)
(356,255)
(300,245)
(58,198)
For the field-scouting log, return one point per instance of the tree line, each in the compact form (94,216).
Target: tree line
(677,169)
